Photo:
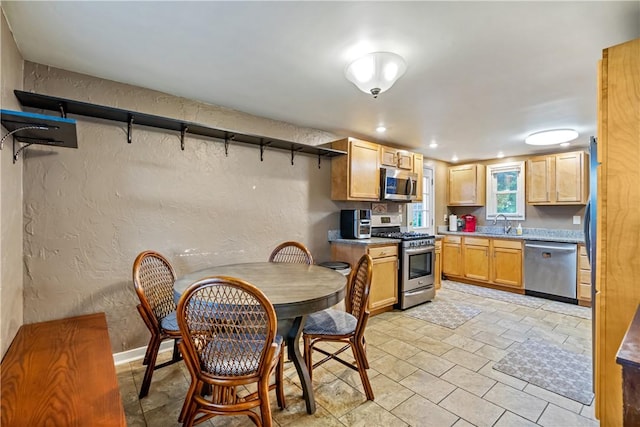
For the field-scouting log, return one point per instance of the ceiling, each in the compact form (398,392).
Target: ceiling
(480,75)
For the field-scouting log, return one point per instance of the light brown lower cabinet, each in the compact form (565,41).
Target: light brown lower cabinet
(384,283)
(507,263)
(452,256)
(476,258)
(437,271)
(483,260)
(584,277)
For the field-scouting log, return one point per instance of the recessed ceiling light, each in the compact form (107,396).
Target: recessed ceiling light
(454,158)
(381,129)
(565,144)
(433,144)
(500,154)
(551,137)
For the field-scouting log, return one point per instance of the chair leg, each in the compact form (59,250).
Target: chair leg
(280,380)
(265,408)
(176,351)
(361,361)
(154,345)
(364,352)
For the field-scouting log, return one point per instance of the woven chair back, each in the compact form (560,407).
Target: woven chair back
(227,326)
(153,278)
(359,288)
(291,252)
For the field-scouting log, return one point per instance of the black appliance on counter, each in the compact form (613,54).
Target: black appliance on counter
(355,223)
(416,274)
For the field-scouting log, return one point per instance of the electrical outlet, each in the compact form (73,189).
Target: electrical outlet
(445,218)
(576,219)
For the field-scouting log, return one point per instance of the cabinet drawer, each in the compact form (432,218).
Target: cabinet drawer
(476,241)
(582,250)
(382,251)
(452,239)
(584,292)
(507,244)
(584,277)
(583,263)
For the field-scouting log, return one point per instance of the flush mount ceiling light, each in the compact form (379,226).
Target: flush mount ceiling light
(551,137)
(376,72)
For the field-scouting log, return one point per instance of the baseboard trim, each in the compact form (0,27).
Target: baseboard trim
(138,353)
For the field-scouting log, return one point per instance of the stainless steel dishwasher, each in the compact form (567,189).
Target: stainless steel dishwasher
(550,270)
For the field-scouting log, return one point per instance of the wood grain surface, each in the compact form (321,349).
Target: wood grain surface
(61,373)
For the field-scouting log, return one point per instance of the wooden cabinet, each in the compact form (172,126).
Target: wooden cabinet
(396,158)
(437,271)
(384,283)
(482,260)
(452,256)
(558,179)
(418,169)
(584,277)
(356,176)
(476,258)
(466,185)
(618,223)
(506,260)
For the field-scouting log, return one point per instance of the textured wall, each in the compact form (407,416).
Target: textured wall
(90,211)
(10,198)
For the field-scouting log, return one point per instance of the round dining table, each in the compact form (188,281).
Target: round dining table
(295,290)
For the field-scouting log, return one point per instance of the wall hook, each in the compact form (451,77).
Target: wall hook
(263,145)
(184,130)
(293,152)
(129,128)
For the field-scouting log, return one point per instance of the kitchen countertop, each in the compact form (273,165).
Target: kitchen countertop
(547,235)
(539,234)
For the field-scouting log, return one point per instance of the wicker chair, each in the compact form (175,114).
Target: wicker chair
(344,327)
(153,279)
(229,341)
(291,252)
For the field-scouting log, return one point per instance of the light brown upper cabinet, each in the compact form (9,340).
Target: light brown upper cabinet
(396,158)
(417,168)
(466,185)
(558,179)
(356,176)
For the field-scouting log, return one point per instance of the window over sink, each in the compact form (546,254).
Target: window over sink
(505,190)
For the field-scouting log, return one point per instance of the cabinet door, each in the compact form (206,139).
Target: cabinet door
(539,185)
(384,283)
(437,273)
(364,171)
(476,259)
(570,177)
(507,267)
(418,169)
(451,259)
(388,156)
(466,185)
(405,160)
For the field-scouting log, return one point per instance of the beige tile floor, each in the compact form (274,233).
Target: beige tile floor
(422,374)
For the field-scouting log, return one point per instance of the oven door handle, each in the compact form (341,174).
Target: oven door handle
(419,250)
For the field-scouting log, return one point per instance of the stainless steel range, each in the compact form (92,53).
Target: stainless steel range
(416,270)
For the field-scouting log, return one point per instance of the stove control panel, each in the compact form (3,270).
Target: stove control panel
(418,243)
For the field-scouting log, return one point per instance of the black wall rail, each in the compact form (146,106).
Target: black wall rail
(69,106)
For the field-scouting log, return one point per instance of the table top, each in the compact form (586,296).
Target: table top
(293,289)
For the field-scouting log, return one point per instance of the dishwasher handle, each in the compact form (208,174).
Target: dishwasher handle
(550,248)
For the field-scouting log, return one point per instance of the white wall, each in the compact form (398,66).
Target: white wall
(90,211)
(10,198)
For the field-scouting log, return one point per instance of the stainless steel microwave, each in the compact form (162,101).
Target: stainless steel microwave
(398,185)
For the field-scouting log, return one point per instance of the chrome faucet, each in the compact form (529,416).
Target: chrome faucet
(507,223)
